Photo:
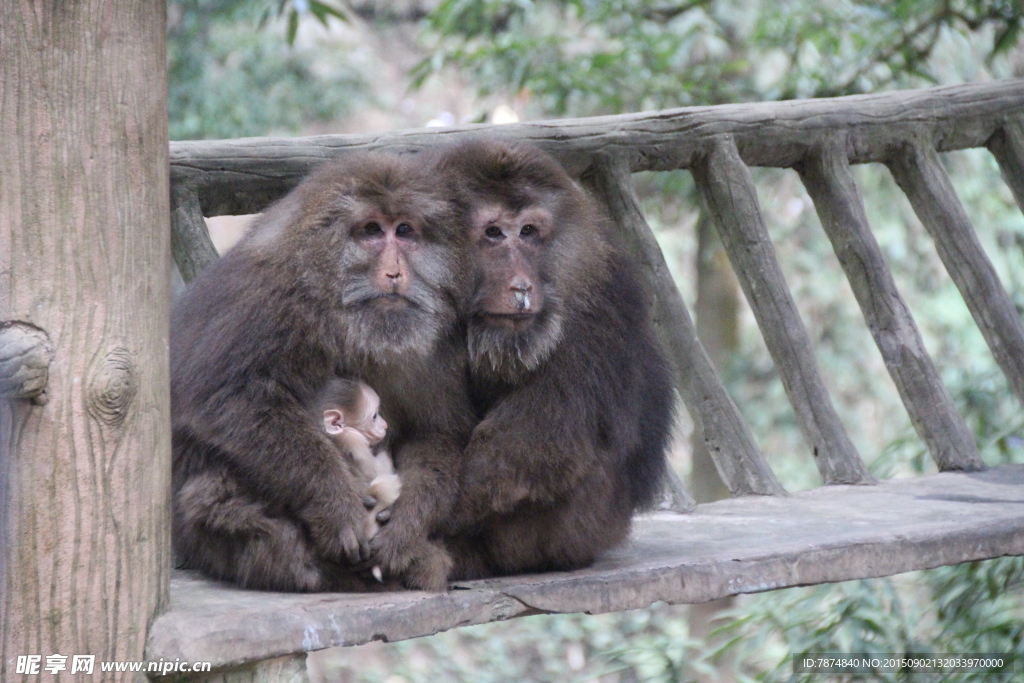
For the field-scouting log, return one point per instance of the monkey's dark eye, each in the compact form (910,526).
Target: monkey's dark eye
(372,228)
(527,230)
(493,231)
(403,230)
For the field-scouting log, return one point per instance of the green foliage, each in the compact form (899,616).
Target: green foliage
(227,79)
(609,56)
(969,608)
(294,9)
(591,57)
(642,645)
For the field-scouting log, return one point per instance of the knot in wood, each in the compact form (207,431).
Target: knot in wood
(113,387)
(25,356)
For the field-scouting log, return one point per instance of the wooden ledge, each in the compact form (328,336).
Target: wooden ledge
(743,545)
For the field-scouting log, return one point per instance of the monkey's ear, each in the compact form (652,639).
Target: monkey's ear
(334,421)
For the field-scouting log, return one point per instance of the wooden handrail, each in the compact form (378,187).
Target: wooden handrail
(727,436)
(820,139)
(920,174)
(242,176)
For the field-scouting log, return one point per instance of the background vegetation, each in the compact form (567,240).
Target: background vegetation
(309,70)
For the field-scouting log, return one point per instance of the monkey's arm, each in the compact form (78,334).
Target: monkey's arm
(429,488)
(284,459)
(533,445)
(357,446)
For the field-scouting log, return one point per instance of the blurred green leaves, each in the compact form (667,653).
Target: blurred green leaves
(293,9)
(585,57)
(229,79)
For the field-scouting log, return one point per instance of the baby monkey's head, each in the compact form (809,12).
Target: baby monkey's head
(352,404)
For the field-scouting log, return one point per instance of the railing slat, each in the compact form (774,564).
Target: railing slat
(919,172)
(728,189)
(727,435)
(1008,147)
(679,498)
(831,185)
(191,245)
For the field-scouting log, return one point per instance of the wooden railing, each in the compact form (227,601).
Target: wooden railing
(818,138)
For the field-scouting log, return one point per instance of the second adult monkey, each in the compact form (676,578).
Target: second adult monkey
(573,387)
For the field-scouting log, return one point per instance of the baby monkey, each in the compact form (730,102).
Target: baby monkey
(351,417)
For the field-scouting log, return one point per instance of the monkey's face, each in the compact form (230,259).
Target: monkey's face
(516,312)
(538,250)
(397,282)
(373,243)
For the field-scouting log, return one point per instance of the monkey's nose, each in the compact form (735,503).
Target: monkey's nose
(395,281)
(522,299)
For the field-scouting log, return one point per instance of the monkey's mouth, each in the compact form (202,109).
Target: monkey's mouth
(512,321)
(389,300)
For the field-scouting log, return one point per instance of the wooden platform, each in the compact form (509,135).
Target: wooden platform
(744,545)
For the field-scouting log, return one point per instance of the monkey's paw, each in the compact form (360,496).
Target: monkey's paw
(428,569)
(385,488)
(339,537)
(406,555)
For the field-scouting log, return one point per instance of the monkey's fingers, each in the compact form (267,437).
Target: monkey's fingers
(355,548)
(392,549)
(369,502)
(430,569)
(384,516)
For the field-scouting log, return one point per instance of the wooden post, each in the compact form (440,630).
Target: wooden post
(190,240)
(84,266)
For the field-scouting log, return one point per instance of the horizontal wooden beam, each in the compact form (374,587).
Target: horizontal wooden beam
(740,545)
(243,176)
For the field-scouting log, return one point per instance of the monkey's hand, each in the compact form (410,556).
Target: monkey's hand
(418,563)
(489,487)
(337,524)
(401,548)
(507,466)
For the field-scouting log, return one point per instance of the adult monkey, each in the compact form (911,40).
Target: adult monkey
(355,272)
(573,387)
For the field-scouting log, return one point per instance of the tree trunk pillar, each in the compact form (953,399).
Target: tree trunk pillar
(84,265)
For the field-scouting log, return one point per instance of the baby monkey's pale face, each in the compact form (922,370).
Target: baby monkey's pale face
(364,418)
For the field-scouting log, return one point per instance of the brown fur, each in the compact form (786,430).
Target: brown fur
(573,388)
(355,272)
